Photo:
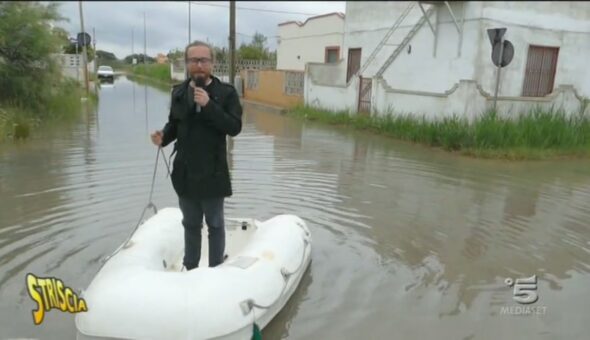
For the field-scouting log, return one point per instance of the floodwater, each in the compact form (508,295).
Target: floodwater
(408,242)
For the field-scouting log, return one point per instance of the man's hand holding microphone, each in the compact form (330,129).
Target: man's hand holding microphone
(200,95)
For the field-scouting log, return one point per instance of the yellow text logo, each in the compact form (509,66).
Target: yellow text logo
(50,292)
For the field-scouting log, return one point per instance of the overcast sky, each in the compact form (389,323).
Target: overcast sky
(167,22)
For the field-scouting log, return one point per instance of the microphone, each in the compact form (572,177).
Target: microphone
(200,83)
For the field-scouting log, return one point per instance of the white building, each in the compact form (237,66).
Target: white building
(434,58)
(318,39)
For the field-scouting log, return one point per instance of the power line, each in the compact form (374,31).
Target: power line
(254,9)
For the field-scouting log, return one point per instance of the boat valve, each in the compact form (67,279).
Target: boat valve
(246,306)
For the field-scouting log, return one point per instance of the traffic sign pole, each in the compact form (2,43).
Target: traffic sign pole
(499,71)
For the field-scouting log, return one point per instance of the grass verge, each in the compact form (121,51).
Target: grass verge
(536,134)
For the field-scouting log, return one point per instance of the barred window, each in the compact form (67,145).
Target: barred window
(293,83)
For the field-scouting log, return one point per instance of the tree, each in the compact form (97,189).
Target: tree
(71,49)
(175,54)
(259,41)
(27,42)
(256,49)
(104,55)
(140,59)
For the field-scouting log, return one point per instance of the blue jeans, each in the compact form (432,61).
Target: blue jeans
(193,211)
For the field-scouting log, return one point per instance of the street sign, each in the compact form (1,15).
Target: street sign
(502,53)
(507,53)
(495,35)
(83,39)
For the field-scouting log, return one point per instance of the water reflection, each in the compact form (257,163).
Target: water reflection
(442,224)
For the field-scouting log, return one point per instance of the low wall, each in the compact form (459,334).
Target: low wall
(279,88)
(72,66)
(465,99)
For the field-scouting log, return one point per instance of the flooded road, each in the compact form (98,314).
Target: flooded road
(408,243)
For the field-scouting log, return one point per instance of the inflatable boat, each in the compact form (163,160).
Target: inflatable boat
(143,291)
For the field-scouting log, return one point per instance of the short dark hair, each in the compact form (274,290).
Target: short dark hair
(199,43)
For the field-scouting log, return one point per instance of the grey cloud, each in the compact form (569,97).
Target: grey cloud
(167,22)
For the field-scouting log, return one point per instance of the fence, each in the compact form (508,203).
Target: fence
(178,67)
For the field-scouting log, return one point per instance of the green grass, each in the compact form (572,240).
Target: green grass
(17,121)
(159,72)
(536,134)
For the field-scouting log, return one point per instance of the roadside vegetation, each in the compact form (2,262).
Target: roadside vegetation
(32,88)
(157,72)
(537,134)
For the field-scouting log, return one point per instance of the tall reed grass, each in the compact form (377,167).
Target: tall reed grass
(536,134)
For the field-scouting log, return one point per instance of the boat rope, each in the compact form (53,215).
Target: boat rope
(149,205)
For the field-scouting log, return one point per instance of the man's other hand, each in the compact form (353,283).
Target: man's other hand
(157,138)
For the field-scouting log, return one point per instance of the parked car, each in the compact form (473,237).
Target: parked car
(105,72)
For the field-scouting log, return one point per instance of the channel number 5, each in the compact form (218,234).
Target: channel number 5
(525,290)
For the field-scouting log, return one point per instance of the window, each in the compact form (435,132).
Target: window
(293,83)
(332,54)
(540,71)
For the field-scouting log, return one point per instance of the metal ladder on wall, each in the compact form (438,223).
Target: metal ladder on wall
(404,42)
(388,35)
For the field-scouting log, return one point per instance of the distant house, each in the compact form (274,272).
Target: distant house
(318,39)
(161,58)
(434,58)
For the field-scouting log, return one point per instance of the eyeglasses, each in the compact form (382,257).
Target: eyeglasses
(203,61)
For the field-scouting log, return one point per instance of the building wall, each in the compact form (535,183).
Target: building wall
(320,93)
(426,64)
(435,63)
(301,44)
(426,78)
(554,24)
(468,99)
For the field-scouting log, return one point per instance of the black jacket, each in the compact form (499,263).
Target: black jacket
(200,168)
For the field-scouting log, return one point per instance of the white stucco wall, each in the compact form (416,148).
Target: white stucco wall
(308,42)
(453,73)
(435,65)
(467,99)
(429,65)
(320,91)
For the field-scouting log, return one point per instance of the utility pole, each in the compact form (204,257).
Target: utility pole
(189,37)
(85,55)
(232,41)
(144,40)
(94,46)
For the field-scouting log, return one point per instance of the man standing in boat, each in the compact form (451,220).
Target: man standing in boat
(203,112)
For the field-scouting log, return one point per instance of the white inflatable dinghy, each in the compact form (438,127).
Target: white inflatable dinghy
(143,291)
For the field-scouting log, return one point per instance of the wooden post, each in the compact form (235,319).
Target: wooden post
(84,51)
(232,41)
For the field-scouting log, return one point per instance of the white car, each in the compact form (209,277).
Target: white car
(105,72)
